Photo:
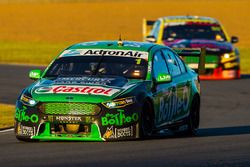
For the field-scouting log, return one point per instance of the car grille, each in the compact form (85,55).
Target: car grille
(209,59)
(70,109)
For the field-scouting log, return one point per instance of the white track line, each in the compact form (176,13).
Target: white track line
(6,130)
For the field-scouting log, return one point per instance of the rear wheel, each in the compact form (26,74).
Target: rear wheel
(147,122)
(193,119)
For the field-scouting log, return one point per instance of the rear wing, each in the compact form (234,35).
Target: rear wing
(147,26)
(194,52)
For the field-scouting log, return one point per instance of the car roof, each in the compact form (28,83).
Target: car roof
(188,18)
(126,45)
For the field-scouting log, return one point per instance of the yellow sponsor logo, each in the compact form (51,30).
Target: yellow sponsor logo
(231,65)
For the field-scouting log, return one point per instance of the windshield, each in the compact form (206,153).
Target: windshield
(132,68)
(194,31)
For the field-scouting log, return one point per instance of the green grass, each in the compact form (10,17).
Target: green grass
(6,115)
(41,53)
(38,53)
(245,60)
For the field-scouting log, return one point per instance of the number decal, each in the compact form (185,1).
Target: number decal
(138,61)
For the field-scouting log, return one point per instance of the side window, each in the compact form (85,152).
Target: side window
(159,64)
(172,63)
(181,63)
(156,28)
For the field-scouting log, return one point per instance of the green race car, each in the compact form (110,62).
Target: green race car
(110,90)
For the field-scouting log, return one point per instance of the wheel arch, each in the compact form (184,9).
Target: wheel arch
(197,97)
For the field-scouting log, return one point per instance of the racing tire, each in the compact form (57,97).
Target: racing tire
(26,139)
(191,123)
(193,119)
(147,122)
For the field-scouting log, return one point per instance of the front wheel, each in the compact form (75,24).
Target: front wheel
(26,139)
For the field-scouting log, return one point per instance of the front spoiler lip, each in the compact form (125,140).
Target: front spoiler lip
(55,138)
(220,76)
(94,135)
(212,77)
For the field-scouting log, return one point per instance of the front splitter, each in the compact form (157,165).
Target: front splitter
(56,138)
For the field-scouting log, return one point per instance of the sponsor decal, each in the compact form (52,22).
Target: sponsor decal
(163,77)
(22,116)
(149,67)
(34,74)
(18,128)
(84,80)
(25,130)
(24,98)
(195,65)
(119,118)
(213,49)
(91,90)
(229,73)
(119,103)
(175,23)
(208,45)
(68,119)
(105,52)
(114,133)
(231,65)
(171,105)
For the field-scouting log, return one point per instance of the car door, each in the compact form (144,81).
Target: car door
(181,84)
(162,92)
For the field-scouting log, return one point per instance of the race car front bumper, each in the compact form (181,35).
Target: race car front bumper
(109,124)
(220,74)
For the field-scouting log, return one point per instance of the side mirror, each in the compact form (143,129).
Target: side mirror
(163,78)
(234,39)
(35,74)
(151,38)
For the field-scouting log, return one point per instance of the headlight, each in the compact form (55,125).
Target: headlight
(119,103)
(228,57)
(28,100)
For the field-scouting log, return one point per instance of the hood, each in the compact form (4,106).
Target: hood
(211,45)
(79,89)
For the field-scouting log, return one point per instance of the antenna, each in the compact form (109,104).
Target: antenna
(120,43)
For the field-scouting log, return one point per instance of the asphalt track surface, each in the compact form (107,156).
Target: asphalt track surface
(223,139)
